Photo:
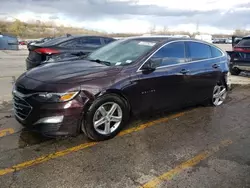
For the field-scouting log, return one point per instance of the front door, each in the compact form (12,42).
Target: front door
(163,87)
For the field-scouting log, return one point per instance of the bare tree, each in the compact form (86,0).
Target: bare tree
(241,32)
(165,30)
(152,29)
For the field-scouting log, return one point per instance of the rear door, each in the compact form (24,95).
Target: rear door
(203,70)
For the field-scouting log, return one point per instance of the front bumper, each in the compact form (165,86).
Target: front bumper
(49,119)
(241,65)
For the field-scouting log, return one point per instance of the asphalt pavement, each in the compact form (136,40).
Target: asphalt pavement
(12,65)
(196,147)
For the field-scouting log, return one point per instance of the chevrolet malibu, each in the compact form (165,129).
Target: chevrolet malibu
(98,94)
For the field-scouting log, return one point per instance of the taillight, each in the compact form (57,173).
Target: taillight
(238,49)
(46,51)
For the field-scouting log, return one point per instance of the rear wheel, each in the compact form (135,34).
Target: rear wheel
(235,71)
(105,118)
(219,94)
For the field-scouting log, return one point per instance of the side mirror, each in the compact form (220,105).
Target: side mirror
(151,64)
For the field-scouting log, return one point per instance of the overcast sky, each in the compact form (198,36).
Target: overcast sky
(214,16)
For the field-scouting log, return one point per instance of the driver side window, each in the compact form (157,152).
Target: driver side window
(170,54)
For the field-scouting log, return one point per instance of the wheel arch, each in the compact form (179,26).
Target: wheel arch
(224,79)
(120,94)
(116,92)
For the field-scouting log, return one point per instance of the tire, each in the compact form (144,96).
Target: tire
(219,94)
(96,113)
(235,71)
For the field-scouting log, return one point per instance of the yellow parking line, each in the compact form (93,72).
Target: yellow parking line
(5,132)
(48,157)
(188,164)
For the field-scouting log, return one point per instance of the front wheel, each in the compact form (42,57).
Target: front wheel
(105,117)
(219,94)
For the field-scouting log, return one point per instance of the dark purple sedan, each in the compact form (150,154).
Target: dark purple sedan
(97,95)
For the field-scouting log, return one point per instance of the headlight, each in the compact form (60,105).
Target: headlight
(55,97)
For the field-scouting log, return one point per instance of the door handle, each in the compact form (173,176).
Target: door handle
(184,71)
(215,66)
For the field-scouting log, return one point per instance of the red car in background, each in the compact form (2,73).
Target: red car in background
(22,43)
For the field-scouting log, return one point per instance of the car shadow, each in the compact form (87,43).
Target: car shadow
(29,138)
(245,74)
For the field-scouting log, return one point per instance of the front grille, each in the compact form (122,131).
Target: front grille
(21,108)
(23,90)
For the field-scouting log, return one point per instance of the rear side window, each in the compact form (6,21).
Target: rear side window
(82,42)
(244,42)
(72,43)
(171,54)
(215,52)
(107,40)
(87,41)
(198,51)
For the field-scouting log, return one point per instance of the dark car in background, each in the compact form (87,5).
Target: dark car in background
(61,47)
(98,94)
(240,56)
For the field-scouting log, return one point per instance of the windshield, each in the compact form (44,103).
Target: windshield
(121,52)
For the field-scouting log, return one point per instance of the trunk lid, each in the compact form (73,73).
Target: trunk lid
(41,51)
(242,49)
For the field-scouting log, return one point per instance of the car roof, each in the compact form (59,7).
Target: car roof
(59,40)
(163,38)
(160,40)
(246,37)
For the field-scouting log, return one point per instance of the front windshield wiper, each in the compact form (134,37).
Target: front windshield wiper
(100,61)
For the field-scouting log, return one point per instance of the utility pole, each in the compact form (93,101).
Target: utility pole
(197,27)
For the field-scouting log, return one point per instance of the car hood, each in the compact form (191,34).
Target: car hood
(71,72)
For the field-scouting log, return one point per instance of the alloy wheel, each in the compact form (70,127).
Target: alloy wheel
(219,95)
(107,118)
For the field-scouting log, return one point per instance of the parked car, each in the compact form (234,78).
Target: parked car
(22,43)
(98,94)
(8,42)
(204,37)
(228,41)
(240,56)
(51,50)
(219,41)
